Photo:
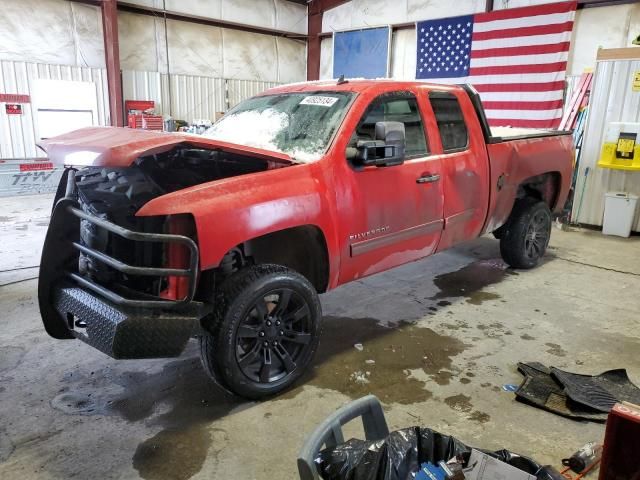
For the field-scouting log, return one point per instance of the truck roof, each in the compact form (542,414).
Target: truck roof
(354,85)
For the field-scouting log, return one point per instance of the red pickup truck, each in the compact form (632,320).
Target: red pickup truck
(230,237)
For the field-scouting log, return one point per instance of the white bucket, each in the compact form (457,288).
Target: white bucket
(619,211)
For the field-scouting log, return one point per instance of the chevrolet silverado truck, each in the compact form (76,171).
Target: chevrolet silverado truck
(156,238)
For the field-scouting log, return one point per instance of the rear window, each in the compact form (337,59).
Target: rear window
(453,130)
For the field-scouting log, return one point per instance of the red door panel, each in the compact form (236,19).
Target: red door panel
(394,219)
(465,166)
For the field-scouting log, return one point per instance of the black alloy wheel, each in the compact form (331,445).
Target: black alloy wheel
(537,236)
(525,236)
(263,332)
(274,336)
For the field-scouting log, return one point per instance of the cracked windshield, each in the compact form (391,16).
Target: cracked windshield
(298,124)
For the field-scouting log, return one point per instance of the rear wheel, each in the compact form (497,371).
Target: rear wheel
(264,331)
(525,236)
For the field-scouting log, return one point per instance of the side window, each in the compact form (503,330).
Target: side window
(395,107)
(453,130)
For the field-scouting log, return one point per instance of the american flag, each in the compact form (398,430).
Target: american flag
(515,58)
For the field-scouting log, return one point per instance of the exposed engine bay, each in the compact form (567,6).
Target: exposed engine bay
(116,194)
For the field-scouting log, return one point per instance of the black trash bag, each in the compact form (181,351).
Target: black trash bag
(400,455)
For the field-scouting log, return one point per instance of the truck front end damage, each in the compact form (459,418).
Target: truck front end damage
(124,285)
(127,284)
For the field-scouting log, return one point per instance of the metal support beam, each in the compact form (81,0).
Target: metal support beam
(314,28)
(112,59)
(315,11)
(488,6)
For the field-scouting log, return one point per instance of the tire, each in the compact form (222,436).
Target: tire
(257,347)
(526,234)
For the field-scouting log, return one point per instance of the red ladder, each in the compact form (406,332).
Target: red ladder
(577,102)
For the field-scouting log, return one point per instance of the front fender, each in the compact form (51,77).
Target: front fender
(232,211)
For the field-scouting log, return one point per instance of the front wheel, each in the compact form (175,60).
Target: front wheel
(525,236)
(264,331)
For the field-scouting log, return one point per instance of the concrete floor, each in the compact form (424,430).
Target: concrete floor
(445,334)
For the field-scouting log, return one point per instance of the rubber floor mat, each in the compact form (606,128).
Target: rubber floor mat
(540,389)
(600,392)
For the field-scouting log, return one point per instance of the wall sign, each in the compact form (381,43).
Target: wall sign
(13,109)
(636,82)
(14,98)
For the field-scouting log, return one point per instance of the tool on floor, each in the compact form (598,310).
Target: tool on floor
(583,461)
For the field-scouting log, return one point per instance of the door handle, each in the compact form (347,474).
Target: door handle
(428,179)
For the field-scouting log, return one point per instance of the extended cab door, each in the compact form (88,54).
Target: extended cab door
(465,166)
(393,214)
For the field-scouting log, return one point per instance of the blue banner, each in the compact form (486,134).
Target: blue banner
(361,53)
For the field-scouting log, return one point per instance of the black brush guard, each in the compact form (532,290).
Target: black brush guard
(119,322)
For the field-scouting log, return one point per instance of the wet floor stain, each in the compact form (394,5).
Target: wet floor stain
(462,403)
(459,403)
(458,325)
(176,454)
(478,298)
(185,440)
(469,281)
(495,330)
(443,377)
(189,400)
(480,417)
(383,366)
(555,349)
(5,219)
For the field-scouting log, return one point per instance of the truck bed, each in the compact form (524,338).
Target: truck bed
(505,134)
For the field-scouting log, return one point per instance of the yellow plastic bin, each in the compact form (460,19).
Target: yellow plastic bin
(621,147)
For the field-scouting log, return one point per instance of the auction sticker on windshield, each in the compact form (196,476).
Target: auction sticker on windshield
(319,100)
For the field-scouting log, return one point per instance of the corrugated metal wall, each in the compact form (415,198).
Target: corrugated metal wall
(612,100)
(138,85)
(195,98)
(238,90)
(192,97)
(18,132)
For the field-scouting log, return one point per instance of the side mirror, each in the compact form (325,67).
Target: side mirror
(386,150)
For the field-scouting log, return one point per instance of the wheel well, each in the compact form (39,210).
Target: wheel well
(302,249)
(544,187)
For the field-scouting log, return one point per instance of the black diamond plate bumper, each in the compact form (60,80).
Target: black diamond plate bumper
(73,305)
(123,332)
